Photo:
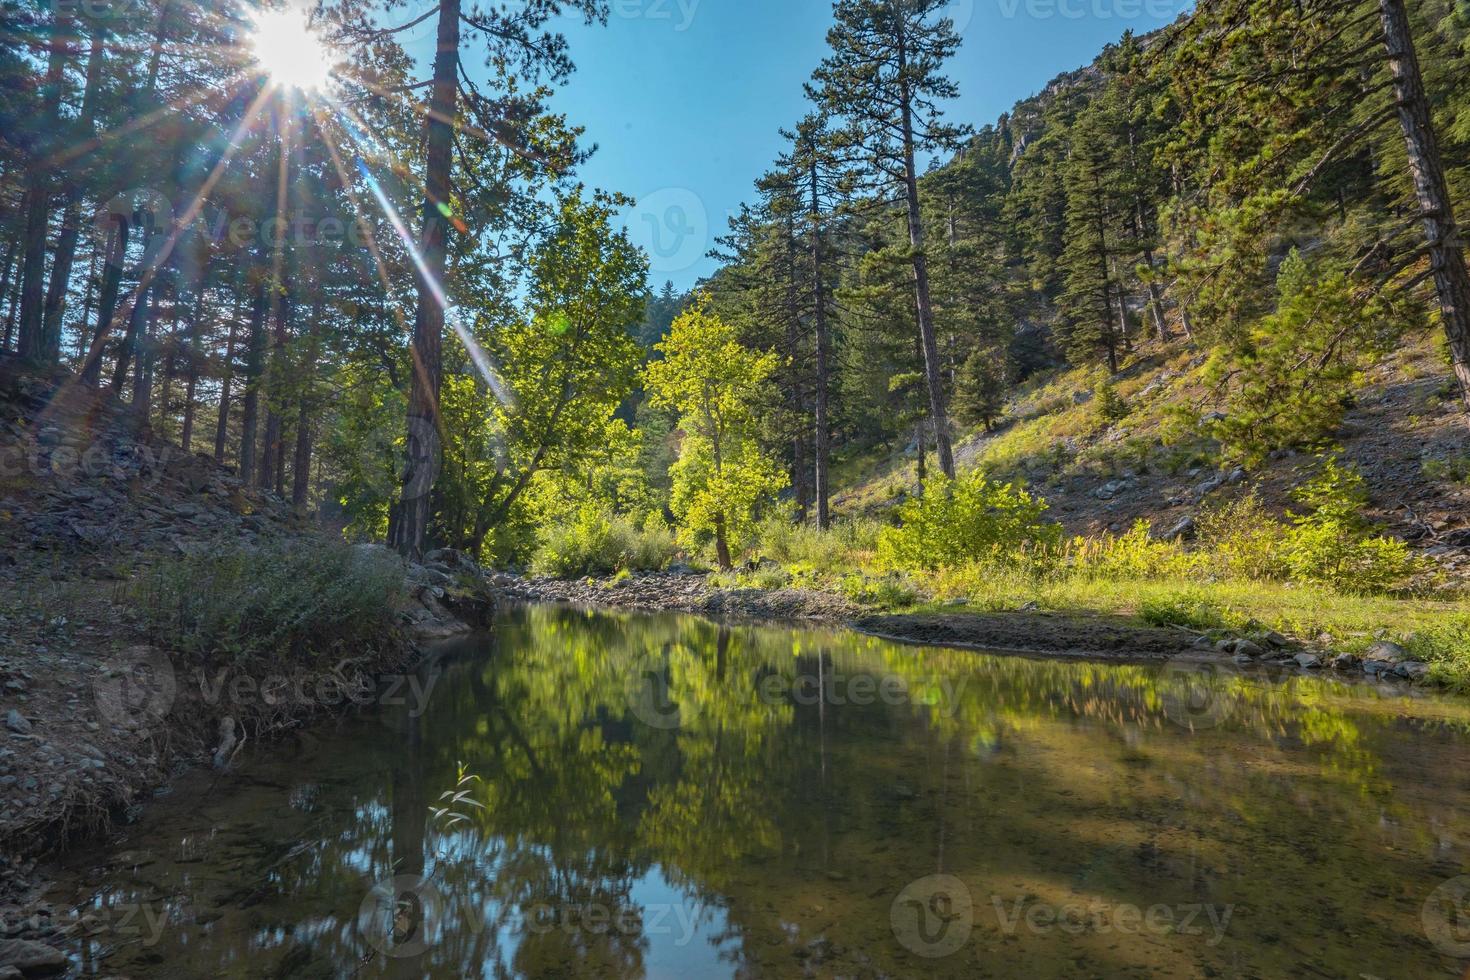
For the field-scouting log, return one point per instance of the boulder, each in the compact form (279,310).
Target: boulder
(1385,650)
(1414,670)
(32,959)
(1308,660)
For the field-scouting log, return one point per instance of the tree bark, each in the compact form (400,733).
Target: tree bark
(227,375)
(250,413)
(1446,250)
(412,521)
(66,246)
(821,422)
(793,351)
(36,202)
(117,250)
(933,369)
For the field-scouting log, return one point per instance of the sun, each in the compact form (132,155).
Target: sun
(291,54)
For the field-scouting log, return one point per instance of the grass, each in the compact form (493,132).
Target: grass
(280,600)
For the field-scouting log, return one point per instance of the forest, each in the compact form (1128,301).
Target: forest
(1024,543)
(376,287)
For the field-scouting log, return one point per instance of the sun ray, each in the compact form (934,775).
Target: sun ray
(478,355)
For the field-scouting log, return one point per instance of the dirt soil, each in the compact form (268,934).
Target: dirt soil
(93,716)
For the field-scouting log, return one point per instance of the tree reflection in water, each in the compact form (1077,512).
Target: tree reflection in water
(665,796)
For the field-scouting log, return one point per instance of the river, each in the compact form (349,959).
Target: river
(630,795)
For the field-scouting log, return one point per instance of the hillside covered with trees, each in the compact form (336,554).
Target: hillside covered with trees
(376,288)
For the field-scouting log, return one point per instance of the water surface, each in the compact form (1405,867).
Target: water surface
(602,794)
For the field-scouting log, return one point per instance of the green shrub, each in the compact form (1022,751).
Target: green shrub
(282,598)
(891,591)
(1190,608)
(842,546)
(1109,406)
(1133,555)
(1331,543)
(595,541)
(1450,469)
(1242,540)
(963,520)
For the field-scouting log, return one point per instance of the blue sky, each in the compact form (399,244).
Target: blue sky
(684,97)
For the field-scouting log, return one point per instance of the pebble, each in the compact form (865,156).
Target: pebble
(17,722)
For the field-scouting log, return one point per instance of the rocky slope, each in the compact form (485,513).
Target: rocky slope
(93,716)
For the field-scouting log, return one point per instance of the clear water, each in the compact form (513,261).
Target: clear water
(660,796)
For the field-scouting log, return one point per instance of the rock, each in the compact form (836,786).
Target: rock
(1414,670)
(1308,660)
(1203,643)
(960,601)
(1273,638)
(1247,648)
(17,722)
(1385,650)
(31,958)
(1081,397)
(1110,489)
(1242,659)
(1374,668)
(1237,475)
(1183,528)
(1344,661)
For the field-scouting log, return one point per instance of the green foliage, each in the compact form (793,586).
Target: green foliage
(1449,469)
(592,540)
(280,599)
(964,520)
(1243,540)
(1136,554)
(722,477)
(890,591)
(1331,543)
(1190,608)
(1109,406)
(980,389)
(1292,374)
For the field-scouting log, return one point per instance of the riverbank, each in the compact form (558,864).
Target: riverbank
(142,594)
(1024,630)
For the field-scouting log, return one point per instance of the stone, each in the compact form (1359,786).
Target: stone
(1182,528)
(1247,648)
(31,958)
(1375,667)
(1344,661)
(1414,670)
(1385,650)
(1308,660)
(17,722)
(1273,638)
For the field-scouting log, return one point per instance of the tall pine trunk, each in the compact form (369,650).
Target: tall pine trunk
(933,369)
(250,411)
(412,517)
(1446,255)
(821,423)
(36,201)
